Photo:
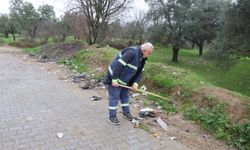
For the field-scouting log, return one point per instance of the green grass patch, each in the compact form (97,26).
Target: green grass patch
(215,120)
(170,77)
(34,50)
(237,78)
(165,105)
(9,39)
(88,59)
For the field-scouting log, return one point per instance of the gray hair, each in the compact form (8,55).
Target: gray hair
(147,44)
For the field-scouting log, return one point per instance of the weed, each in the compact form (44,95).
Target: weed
(214,120)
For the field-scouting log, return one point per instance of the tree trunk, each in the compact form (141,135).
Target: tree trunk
(201,49)
(175,54)
(14,37)
(33,34)
(193,45)
(6,35)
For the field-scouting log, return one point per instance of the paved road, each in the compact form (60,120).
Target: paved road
(35,106)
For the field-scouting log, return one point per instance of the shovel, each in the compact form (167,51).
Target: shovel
(149,93)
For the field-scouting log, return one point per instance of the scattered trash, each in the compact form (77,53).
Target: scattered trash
(156,135)
(76,79)
(144,88)
(138,118)
(92,82)
(148,112)
(44,58)
(59,135)
(173,138)
(136,123)
(135,95)
(158,107)
(147,109)
(83,75)
(136,105)
(162,123)
(32,55)
(84,86)
(205,136)
(95,98)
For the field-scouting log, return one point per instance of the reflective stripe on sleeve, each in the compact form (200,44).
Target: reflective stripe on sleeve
(122,62)
(110,70)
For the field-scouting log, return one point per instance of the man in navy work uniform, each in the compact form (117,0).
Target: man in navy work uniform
(126,69)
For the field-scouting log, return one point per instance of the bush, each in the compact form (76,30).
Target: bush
(214,119)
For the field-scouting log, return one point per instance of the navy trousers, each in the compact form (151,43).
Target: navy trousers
(116,94)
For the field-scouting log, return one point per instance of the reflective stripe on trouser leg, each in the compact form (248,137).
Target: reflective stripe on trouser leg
(114,93)
(124,95)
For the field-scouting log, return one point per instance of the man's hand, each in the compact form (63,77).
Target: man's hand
(115,83)
(135,87)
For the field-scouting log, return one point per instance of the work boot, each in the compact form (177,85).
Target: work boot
(128,116)
(114,120)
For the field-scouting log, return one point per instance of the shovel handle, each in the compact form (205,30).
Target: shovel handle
(142,91)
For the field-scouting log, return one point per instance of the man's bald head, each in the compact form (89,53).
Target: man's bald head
(147,49)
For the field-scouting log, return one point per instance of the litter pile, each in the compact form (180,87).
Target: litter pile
(86,81)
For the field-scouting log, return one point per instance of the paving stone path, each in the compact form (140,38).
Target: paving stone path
(35,106)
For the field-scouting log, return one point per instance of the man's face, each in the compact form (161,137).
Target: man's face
(147,52)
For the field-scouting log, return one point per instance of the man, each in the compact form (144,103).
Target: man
(126,69)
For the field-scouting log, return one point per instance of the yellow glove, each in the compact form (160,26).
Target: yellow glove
(135,86)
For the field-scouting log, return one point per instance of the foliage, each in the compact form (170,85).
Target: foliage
(7,26)
(214,120)
(203,22)
(27,19)
(233,39)
(173,15)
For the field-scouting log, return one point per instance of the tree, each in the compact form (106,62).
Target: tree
(26,16)
(46,13)
(174,14)
(233,39)
(203,22)
(7,26)
(46,22)
(98,15)
(236,28)
(4,28)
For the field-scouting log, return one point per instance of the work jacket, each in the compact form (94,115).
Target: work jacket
(127,67)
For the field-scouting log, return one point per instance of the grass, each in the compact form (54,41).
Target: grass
(9,39)
(237,78)
(215,120)
(34,50)
(87,60)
